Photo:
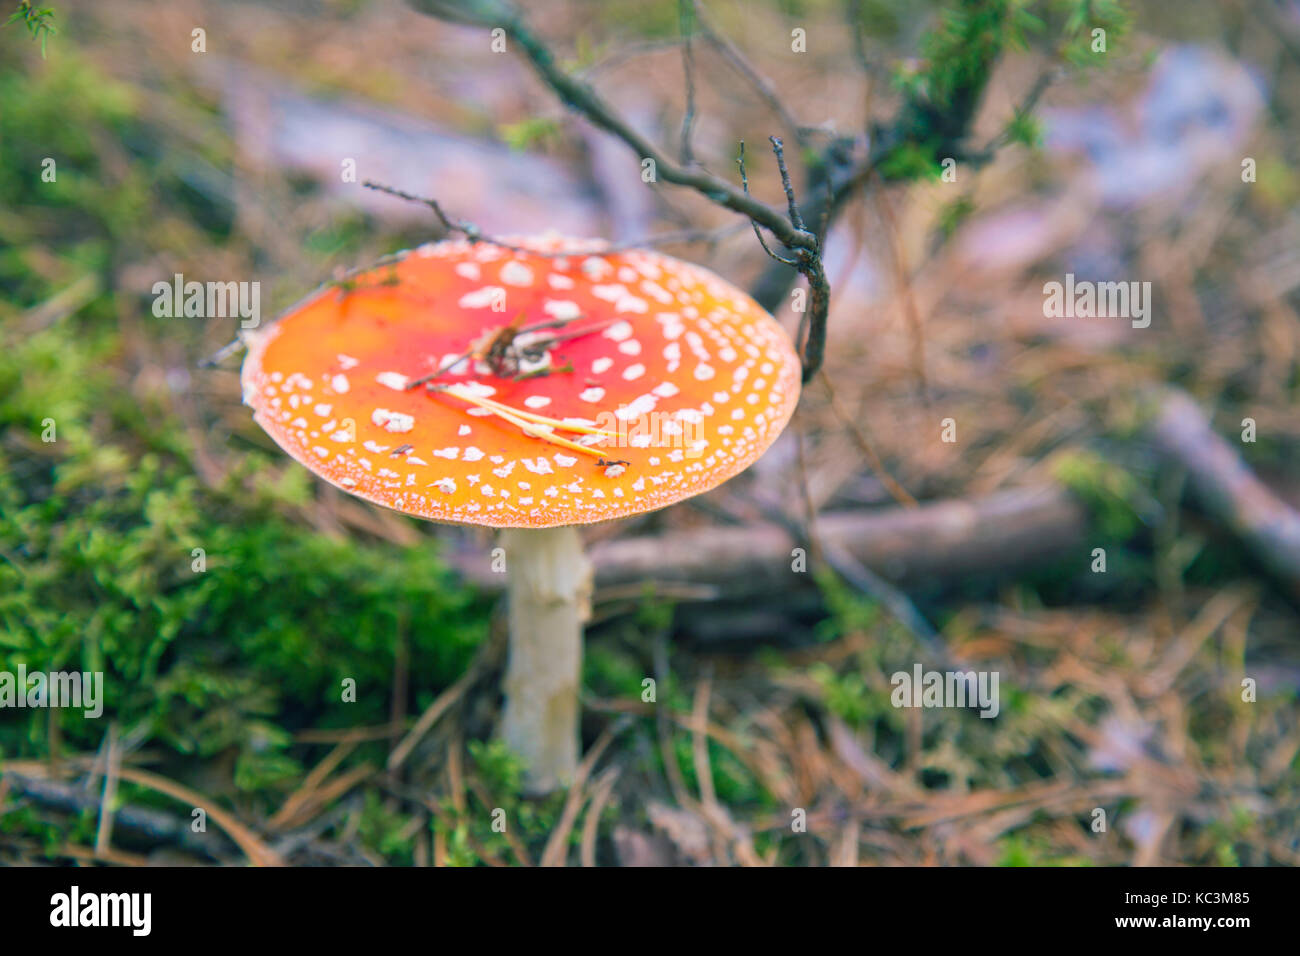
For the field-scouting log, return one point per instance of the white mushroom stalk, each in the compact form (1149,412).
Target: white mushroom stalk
(548,591)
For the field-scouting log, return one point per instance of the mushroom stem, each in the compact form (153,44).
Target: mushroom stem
(549,599)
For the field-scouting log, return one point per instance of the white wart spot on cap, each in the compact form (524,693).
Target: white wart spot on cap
(392,421)
(482,298)
(618,331)
(561,309)
(594,267)
(641,405)
(516,274)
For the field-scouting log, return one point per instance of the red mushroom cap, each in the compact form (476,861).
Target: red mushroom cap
(600,384)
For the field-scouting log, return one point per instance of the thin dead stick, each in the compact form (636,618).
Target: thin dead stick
(443,370)
(903,279)
(300,797)
(357,734)
(258,853)
(330,792)
(846,853)
(764,87)
(684,14)
(744,184)
(840,560)
(528,423)
(430,717)
(857,431)
(699,743)
(450,822)
(474,234)
(715,814)
(557,845)
(456,771)
(108,855)
(663,730)
(104,835)
(516,845)
(221,354)
(603,790)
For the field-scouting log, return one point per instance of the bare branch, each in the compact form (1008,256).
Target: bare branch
(474,234)
(581,97)
(626,53)
(1027,105)
(804,245)
(779,148)
(688,66)
(744,182)
(858,432)
(762,86)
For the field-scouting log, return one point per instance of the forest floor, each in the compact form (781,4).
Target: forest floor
(1125,734)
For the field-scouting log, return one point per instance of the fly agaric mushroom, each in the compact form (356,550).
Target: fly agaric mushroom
(531,388)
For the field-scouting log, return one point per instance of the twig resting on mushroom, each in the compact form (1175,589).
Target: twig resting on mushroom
(463,227)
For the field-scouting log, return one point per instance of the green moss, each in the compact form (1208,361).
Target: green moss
(1109,491)
(1016,850)
(223,622)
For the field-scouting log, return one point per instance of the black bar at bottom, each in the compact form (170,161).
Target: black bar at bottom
(331,906)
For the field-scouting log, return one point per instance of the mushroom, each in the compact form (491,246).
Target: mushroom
(529,387)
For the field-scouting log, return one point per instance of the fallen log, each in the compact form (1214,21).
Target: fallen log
(938,541)
(941,540)
(1225,486)
(145,825)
